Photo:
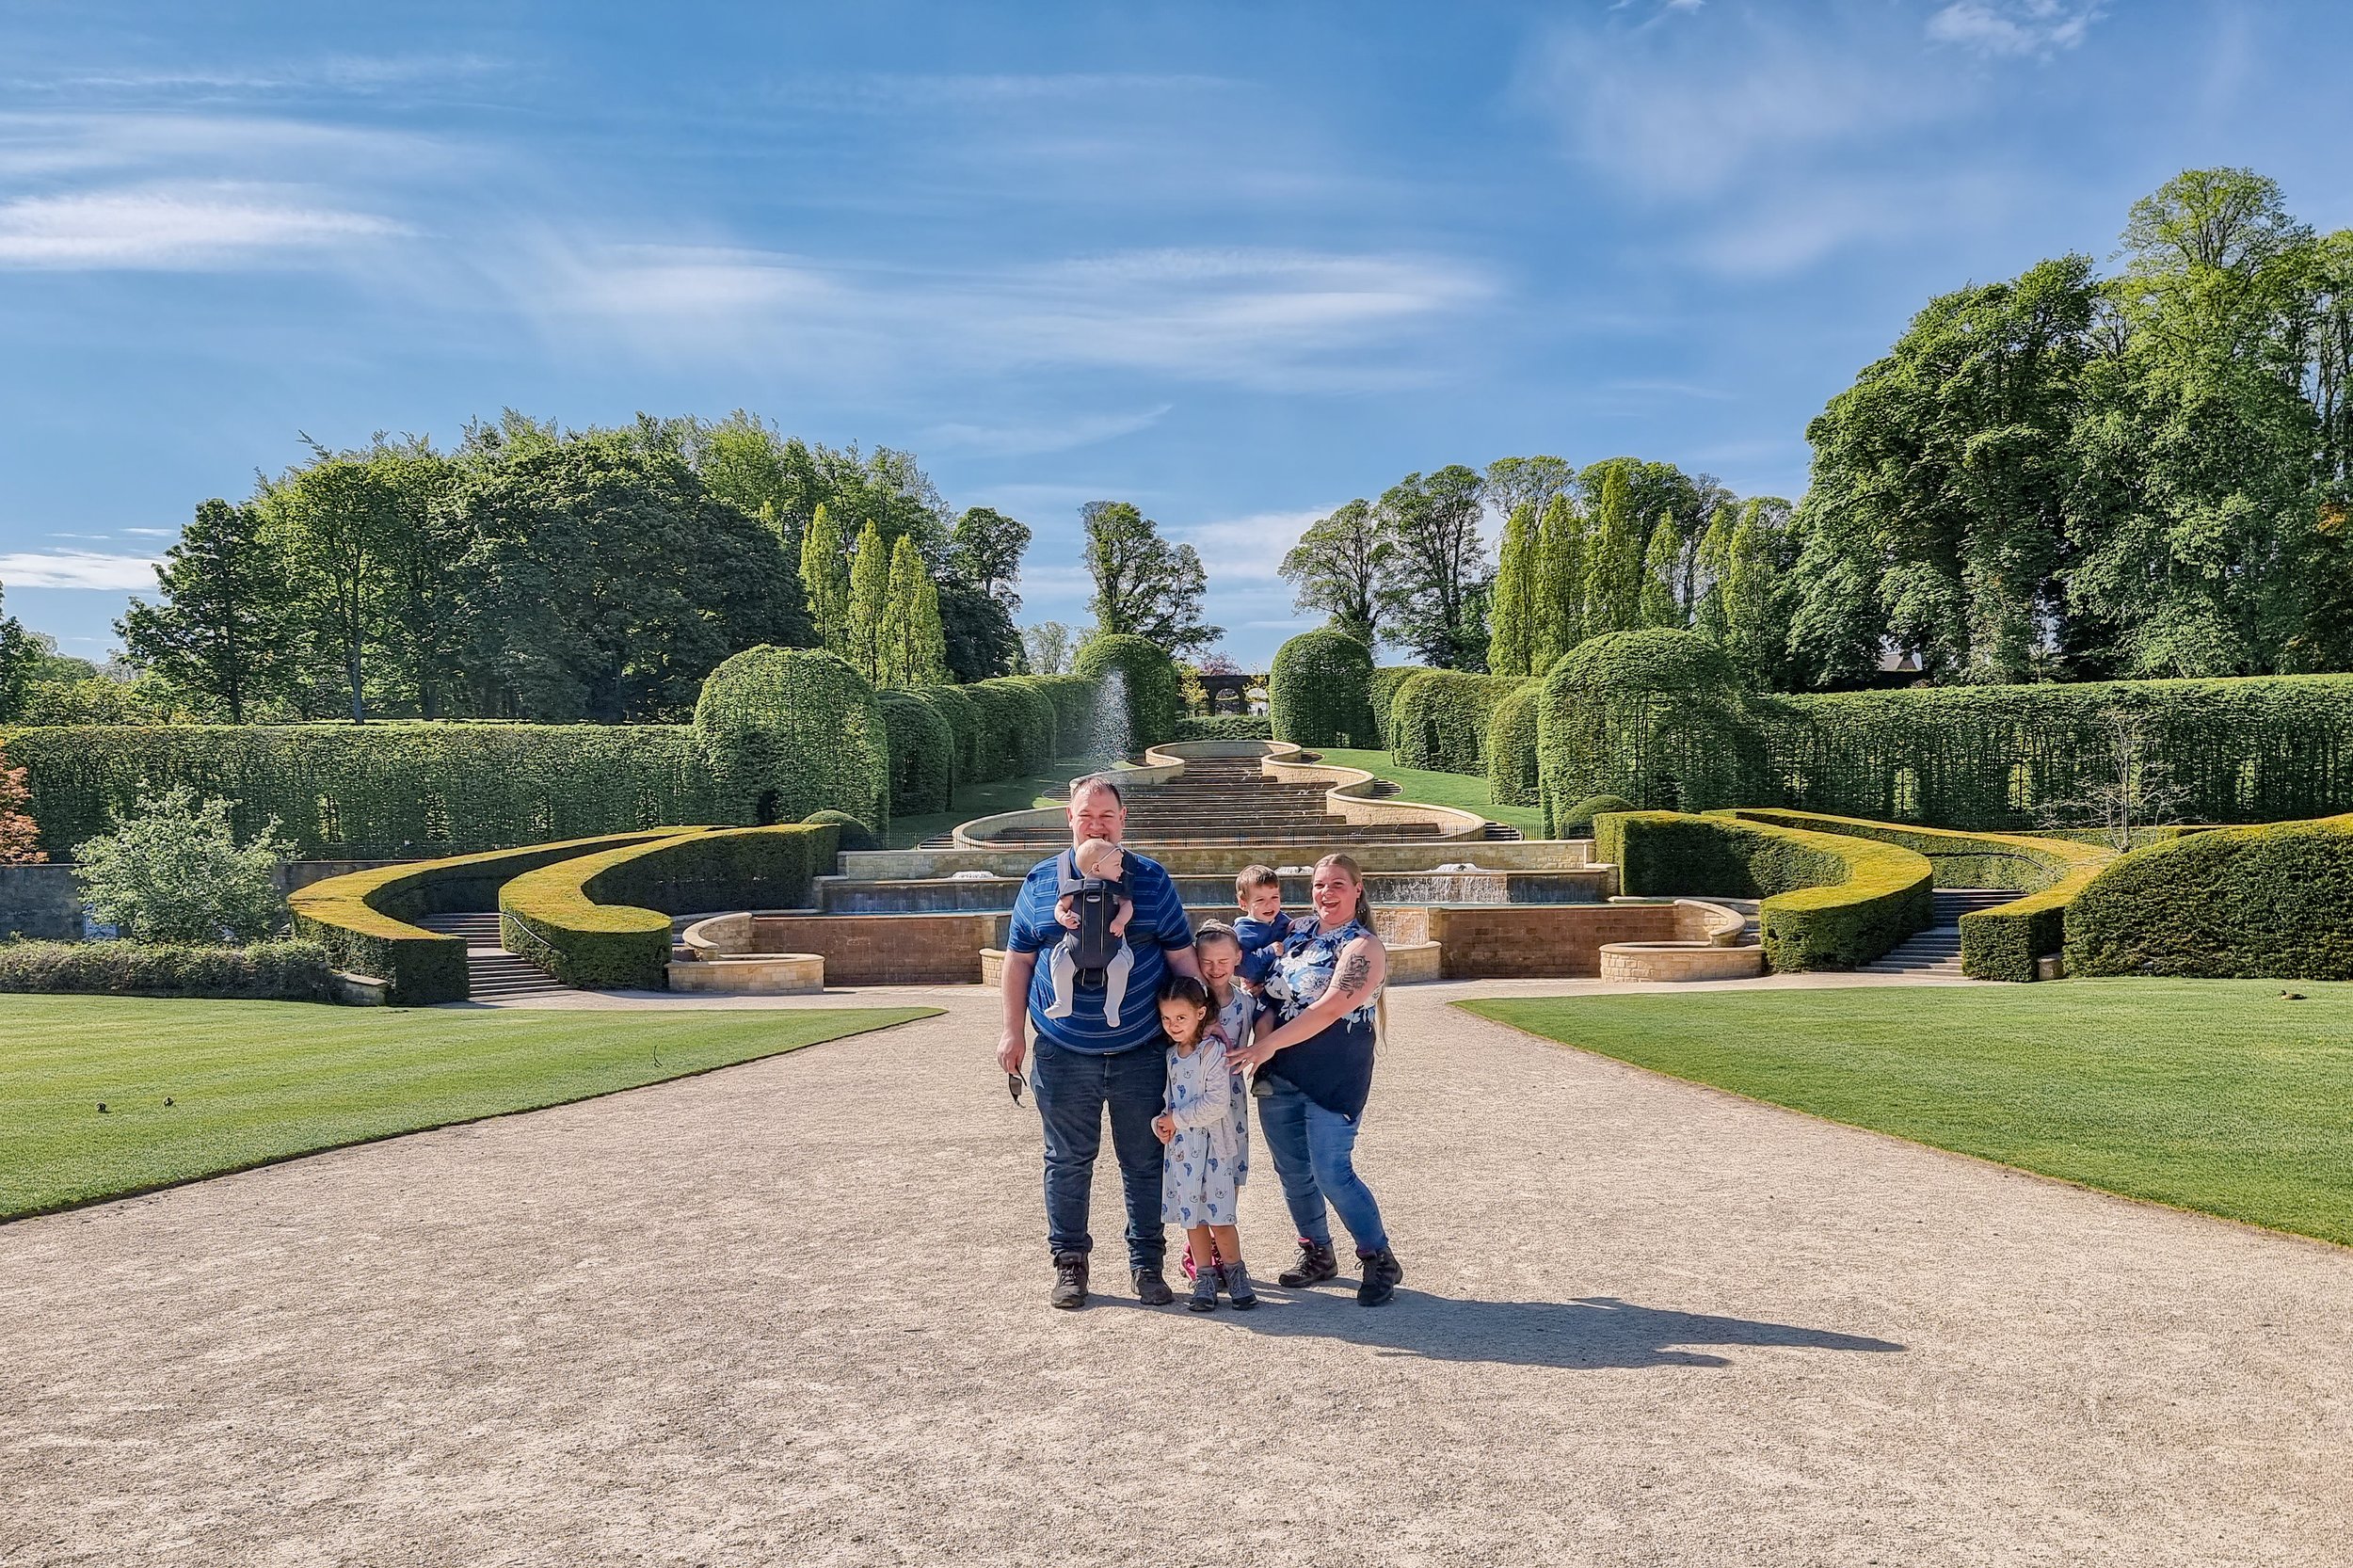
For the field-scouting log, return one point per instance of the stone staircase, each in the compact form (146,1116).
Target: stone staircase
(1230,800)
(493,973)
(1936,950)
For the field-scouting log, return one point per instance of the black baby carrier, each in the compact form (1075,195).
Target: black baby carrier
(1096,901)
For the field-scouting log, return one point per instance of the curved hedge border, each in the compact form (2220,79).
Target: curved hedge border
(364,918)
(1830,901)
(2001,943)
(1319,693)
(922,754)
(1442,718)
(1225,726)
(796,730)
(1154,705)
(1511,776)
(603,920)
(1382,689)
(379,792)
(2270,902)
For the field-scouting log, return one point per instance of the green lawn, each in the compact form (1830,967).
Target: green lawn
(981,800)
(2214,1095)
(1440,789)
(256,1082)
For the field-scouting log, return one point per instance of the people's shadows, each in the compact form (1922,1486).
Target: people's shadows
(1591,1331)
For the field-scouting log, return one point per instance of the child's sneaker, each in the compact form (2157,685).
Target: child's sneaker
(1238,1287)
(1204,1297)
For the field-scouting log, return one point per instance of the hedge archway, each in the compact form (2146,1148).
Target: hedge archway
(1150,675)
(1320,691)
(796,730)
(1512,778)
(1386,679)
(922,755)
(1652,717)
(1442,718)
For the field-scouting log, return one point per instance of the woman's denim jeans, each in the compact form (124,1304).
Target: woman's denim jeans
(1073,1089)
(1314,1154)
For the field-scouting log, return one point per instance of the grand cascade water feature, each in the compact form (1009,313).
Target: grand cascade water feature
(1454,896)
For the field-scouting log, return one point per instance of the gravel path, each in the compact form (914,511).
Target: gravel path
(794,1313)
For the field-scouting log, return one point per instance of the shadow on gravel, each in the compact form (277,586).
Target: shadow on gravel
(1592,1331)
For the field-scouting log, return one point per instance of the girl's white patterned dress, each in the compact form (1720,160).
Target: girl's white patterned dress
(1233,1021)
(1198,1177)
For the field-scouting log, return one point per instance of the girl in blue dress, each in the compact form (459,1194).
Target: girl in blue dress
(1200,1173)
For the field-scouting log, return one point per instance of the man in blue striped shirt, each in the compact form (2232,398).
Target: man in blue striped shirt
(1085,1065)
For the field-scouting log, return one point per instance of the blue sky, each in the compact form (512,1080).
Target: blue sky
(1236,264)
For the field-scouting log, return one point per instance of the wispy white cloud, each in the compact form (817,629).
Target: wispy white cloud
(155,533)
(1249,551)
(1029,440)
(1270,318)
(76,569)
(350,73)
(899,91)
(2015,27)
(176,226)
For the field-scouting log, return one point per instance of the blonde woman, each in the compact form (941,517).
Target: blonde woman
(1315,1074)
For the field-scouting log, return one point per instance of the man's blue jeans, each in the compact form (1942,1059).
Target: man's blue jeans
(1314,1154)
(1073,1089)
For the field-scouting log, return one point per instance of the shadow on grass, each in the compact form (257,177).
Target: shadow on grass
(1592,1331)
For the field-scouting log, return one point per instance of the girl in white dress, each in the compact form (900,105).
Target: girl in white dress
(1197,1182)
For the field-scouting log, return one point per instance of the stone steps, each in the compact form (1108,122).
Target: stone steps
(493,973)
(1936,950)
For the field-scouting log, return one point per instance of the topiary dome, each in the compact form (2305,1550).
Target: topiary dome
(792,731)
(1320,691)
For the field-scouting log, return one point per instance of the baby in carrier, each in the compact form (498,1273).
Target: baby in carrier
(1095,906)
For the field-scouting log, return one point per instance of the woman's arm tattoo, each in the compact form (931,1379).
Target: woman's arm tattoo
(1355,969)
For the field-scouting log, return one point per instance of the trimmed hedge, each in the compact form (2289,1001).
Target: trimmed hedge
(1225,726)
(1442,716)
(603,921)
(1320,691)
(1652,717)
(1073,700)
(922,754)
(1382,691)
(1581,815)
(1511,776)
(2001,943)
(1828,901)
(2262,749)
(266,971)
(1010,719)
(376,792)
(1154,705)
(2272,902)
(963,718)
(795,730)
(363,919)
(855,834)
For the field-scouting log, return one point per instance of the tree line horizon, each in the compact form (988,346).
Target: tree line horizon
(2064,475)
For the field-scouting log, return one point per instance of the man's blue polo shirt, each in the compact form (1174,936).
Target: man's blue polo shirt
(1157,927)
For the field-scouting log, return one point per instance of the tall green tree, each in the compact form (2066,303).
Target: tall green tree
(1511,483)
(825,581)
(1557,601)
(221,629)
(1510,638)
(338,525)
(870,605)
(19,655)
(1435,594)
(1613,559)
(914,649)
(1144,586)
(2196,517)
(985,550)
(1049,645)
(605,583)
(1943,479)
(1338,565)
(1662,591)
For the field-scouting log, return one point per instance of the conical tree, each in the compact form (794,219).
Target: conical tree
(825,578)
(1558,600)
(1662,566)
(1512,623)
(870,602)
(914,643)
(1613,562)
